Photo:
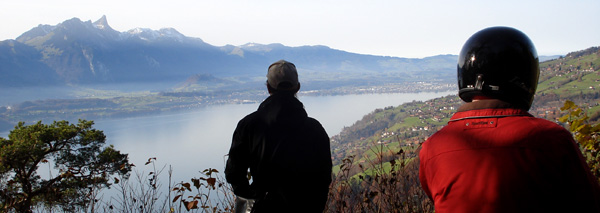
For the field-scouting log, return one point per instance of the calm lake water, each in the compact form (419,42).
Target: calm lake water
(196,140)
(193,141)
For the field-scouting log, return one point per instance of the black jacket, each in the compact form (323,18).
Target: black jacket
(288,155)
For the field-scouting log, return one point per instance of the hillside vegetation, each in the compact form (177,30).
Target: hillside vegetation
(377,157)
(574,77)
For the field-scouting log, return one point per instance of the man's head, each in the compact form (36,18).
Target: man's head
(498,62)
(282,76)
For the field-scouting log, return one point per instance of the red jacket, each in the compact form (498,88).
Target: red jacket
(494,159)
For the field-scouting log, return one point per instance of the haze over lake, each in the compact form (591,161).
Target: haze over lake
(200,139)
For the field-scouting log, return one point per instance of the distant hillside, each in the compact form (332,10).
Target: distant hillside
(20,65)
(574,77)
(77,52)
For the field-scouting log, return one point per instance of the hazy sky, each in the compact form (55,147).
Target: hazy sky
(403,28)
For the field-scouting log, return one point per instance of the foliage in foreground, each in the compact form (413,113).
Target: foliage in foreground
(146,193)
(387,182)
(78,155)
(585,133)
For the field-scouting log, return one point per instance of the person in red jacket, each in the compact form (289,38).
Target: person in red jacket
(493,156)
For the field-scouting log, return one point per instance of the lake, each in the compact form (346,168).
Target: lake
(193,141)
(196,140)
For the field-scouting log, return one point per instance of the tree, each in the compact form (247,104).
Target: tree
(586,134)
(81,162)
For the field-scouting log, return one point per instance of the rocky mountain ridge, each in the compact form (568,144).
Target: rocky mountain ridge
(77,52)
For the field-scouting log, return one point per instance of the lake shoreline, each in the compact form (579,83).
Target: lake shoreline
(103,109)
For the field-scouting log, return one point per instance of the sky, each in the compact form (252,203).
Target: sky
(401,28)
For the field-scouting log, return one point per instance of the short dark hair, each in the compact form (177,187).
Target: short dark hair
(283,87)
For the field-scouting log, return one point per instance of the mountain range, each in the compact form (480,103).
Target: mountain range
(77,52)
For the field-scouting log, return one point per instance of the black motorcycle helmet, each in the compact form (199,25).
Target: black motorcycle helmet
(499,62)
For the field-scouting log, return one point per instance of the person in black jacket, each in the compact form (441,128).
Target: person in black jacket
(287,152)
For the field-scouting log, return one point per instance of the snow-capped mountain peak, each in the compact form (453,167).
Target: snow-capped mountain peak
(151,35)
(144,33)
(139,30)
(100,31)
(102,23)
(170,32)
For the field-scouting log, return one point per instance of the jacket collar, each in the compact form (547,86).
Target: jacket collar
(487,109)
(281,106)
(485,104)
(281,99)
